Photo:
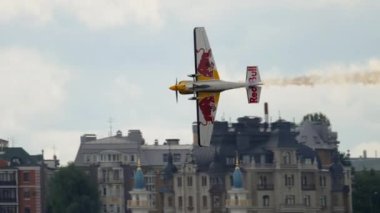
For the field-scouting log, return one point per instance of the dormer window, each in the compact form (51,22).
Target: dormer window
(16,161)
(286,158)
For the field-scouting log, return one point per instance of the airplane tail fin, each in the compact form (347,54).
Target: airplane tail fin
(253,81)
(253,75)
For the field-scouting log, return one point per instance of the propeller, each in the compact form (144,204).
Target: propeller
(176,91)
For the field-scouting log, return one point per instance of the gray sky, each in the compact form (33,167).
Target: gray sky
(66,67)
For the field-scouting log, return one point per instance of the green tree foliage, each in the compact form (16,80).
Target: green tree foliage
(366,192)
(317,117)
(73,191)
(344,159)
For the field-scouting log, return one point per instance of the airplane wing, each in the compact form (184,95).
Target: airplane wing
(207,104)
(205,67)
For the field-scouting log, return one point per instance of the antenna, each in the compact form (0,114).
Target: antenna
(13,142)
(110,122)
(223,117)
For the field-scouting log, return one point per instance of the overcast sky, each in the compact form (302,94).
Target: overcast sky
(67,67)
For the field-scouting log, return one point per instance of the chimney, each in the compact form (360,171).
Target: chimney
(172,141)
(266,116)
(87,138)
(119,134)
(364,153)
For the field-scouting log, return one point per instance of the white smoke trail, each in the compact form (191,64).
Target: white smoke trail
(368,74)
(364,78)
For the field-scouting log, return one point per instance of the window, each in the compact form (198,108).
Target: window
(117,190)
(26,177)
(265,200)
(306,200)
(189,181)
(323,201)
(170,201)
(179,181)
(262,159)
(230,161)
(216,202)
(104,191)
(104,175)
(87,157)
(204,180)
(177,157)
(132,158)
(286,158)
(27,193)
(322,180)
(190,201)
(290,200)
(204,201)
(289,180)
(165,157)
(246,159)
(116,174)
(27,210)
(104,208)
(263,180)
(304,180)
(308,161)
(180,202)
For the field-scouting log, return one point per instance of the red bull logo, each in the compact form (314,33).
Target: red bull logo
(254,95)
(206,66)
(253,74)
(207,107)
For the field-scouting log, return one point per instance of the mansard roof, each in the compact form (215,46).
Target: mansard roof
(17,156)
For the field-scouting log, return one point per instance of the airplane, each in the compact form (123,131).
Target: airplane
(206,86)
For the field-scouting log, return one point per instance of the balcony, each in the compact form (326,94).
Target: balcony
(308,187)
(8,183)
(265,186)
(264,166)
(292,207)
(110,180)
(289,166)
(8,200)
(237,203)
(138,204)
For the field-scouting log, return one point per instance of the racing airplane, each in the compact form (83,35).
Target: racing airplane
(206,86)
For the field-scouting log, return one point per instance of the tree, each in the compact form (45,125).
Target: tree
(366,191)
(71,190)
(317,117)
(344,159)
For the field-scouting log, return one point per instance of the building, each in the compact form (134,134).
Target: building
(281,167)
(278,172)
(113,162)
(22,181)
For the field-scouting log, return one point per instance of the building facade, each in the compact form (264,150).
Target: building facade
(283,167)
(23,180)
